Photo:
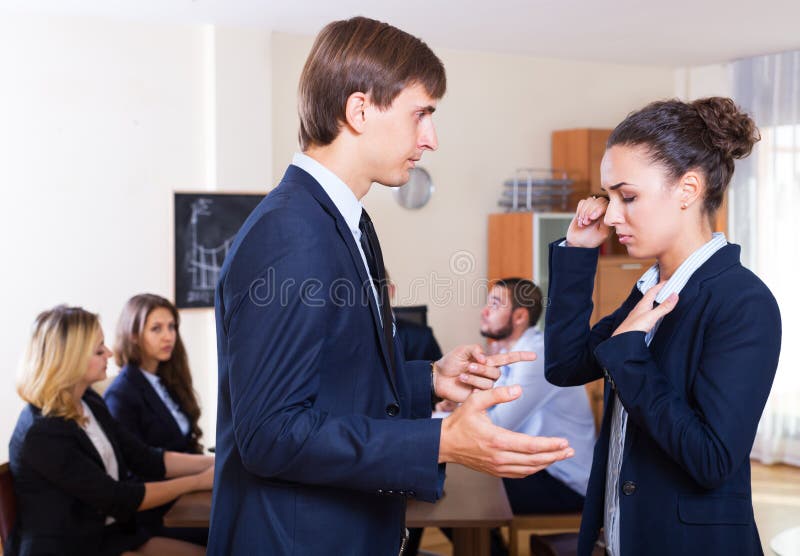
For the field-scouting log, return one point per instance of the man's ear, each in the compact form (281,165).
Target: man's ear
(355,111)
(520,316)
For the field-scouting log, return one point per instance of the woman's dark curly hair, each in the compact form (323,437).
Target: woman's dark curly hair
(705,135)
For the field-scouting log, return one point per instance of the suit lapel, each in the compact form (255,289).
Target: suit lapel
(154,401)
(670,323)
(87,445)
(302,178)
(718,262)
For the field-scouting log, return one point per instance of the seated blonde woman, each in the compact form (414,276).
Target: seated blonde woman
(71,462)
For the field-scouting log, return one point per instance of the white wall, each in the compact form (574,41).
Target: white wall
(496,116)
(101,122)
(703,81)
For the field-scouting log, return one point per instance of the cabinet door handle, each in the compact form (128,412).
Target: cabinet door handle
(630,266)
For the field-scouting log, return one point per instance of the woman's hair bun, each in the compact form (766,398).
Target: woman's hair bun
(730,130)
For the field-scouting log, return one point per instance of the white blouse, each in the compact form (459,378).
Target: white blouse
(103,446)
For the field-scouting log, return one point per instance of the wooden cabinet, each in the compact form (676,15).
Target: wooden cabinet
(616,275)
(579,152)
(510,245)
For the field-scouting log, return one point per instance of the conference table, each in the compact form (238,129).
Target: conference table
(472,504)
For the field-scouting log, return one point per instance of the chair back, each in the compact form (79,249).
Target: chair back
(415,314)
(8,504)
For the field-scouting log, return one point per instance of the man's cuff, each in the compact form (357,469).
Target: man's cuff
(434,397)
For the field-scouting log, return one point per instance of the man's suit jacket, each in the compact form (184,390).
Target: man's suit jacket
(418,341)
(318,442)
(136,406)
(694,398)
(63,491)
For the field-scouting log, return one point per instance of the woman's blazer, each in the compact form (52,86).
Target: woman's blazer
(694,398)
(137,406)
(63,491)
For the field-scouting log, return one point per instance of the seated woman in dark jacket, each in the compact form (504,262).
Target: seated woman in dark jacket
(70,459)
(152,397)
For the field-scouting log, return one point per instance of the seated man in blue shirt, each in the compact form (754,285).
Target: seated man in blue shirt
(513,308)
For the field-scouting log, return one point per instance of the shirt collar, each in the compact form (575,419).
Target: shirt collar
(342,196)
(152,378)
(685,271)
(524,339)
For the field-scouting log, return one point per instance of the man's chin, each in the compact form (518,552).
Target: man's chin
(493,335)
(395,181)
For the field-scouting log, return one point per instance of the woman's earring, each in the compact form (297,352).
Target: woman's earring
(684,206)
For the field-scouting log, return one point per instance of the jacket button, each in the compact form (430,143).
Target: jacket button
(411,493)
(628,488)
(392,410)
(380,491)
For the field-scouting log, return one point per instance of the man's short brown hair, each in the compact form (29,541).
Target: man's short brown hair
(525,294)
(360,55)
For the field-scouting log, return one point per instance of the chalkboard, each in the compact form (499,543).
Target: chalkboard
(205,227)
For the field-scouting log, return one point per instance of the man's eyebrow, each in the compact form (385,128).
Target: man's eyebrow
(429,109)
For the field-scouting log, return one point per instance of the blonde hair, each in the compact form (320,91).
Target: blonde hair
(56,360)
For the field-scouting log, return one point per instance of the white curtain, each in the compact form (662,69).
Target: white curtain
(764,218)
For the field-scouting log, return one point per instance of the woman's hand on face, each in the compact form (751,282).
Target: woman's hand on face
(644,316)
(587,228)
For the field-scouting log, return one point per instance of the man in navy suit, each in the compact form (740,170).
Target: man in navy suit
(323,429)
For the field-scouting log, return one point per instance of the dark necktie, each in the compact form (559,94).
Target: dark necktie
(372,252)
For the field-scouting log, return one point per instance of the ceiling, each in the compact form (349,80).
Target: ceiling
(668,33)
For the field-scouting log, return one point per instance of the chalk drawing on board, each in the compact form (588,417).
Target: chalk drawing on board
(205,263)
(206,225)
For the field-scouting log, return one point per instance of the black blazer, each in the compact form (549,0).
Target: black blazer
(137,406)
(63,491)
(694,397)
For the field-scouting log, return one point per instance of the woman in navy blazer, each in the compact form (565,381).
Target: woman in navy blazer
(690,356)
(70,460)
(152,397)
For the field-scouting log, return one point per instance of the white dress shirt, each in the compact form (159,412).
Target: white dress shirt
(548,410)
(619,417)
(172,405)
(345,201)
(103,446)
